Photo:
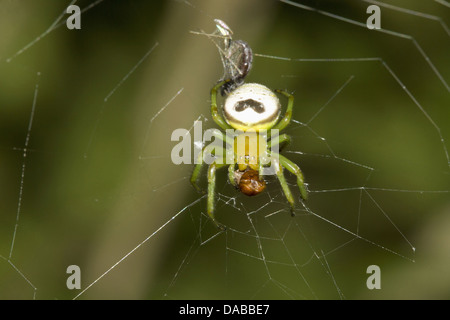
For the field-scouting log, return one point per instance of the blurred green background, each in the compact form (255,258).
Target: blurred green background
(98,178)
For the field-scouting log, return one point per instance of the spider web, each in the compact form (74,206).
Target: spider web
(88,180)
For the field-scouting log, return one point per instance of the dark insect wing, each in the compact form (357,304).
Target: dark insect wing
(238,59)
(244,59)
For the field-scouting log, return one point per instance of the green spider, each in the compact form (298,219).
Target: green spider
(249,107)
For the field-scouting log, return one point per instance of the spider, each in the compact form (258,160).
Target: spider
(251,107)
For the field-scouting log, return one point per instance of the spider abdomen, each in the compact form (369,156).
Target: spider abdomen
(251,106)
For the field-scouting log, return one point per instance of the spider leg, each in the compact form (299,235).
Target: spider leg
(288,115)
(231,168)
(217,117)
(194,177)
(282,141)
(211,180)
(284,185)
(211,192)
(201,156)
(293,168)
(198,167)
(201,163)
